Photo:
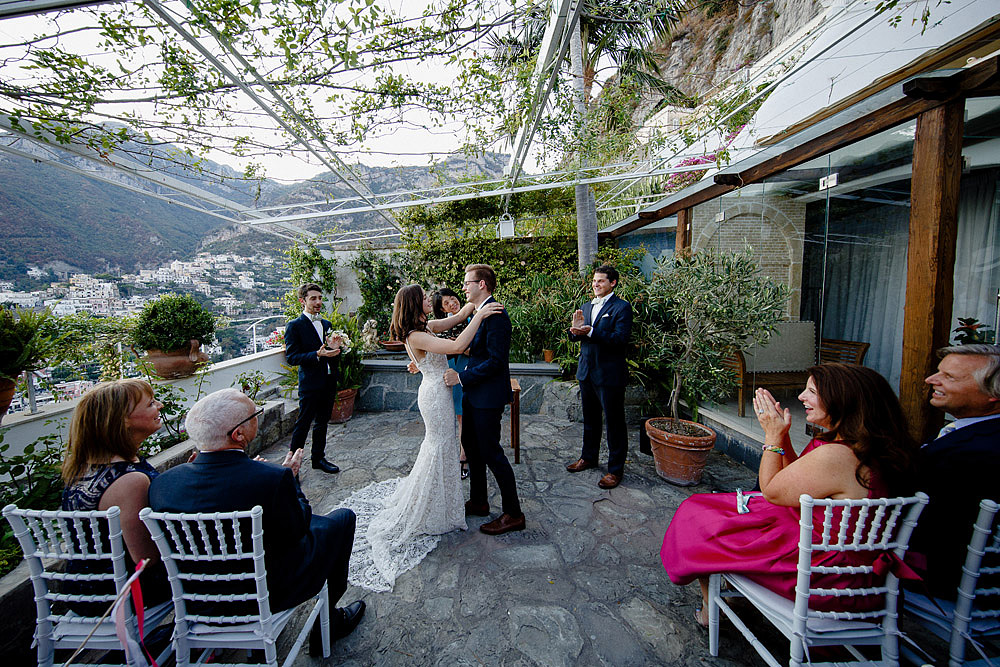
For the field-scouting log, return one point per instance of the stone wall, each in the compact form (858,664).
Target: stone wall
(389,386)
(773,226)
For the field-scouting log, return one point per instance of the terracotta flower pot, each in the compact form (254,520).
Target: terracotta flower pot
(680,449)
(177,364)
(343,406)
(548,355)
(6,396)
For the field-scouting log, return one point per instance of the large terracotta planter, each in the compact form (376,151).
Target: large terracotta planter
(680,449)
(6,396)
(343,406)
(177,364)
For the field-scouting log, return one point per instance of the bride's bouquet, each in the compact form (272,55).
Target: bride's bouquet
(339,339)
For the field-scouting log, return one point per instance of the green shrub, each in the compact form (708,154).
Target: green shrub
(24,344)
(170,322)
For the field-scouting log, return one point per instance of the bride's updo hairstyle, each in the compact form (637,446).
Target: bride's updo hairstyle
(408,312)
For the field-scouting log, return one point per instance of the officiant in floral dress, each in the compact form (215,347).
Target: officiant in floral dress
(309,346)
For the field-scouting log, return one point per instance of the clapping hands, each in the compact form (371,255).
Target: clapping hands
(578,328)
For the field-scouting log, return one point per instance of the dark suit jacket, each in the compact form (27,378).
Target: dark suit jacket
(486,378)
(296,543)
(301,343)
(602,354)
(957,471)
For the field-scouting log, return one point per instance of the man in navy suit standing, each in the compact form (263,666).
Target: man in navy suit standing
(603,327)
(301,550)
(486,391)
(961,466)
(306,347)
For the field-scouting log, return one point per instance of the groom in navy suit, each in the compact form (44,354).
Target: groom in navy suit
(486,391)
(961,466)
(603,327)
(319,369)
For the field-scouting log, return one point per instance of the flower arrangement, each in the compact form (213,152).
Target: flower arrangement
(275,339)
(339,338)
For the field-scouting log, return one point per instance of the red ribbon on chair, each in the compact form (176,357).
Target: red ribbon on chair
(136,591)
(888,562)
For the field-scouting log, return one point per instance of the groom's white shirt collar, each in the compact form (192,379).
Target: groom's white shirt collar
(480,304)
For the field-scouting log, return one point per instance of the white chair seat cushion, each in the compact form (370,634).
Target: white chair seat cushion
(279,620)
(922,606)
(778,609)
(70,627)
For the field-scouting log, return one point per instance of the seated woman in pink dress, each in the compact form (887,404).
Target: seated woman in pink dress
(865,451)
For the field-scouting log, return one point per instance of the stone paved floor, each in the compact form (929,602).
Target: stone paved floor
(582,585)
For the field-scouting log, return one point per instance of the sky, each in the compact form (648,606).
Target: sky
(418,141)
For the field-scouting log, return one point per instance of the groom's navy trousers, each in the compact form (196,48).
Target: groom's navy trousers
(486,391)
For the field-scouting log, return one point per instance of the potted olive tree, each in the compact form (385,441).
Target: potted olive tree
(24,345)
(171,329)
(716,301)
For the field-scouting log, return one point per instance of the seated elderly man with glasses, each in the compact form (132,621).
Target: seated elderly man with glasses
(302,550)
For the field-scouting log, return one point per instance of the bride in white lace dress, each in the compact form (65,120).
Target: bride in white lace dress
(400,520)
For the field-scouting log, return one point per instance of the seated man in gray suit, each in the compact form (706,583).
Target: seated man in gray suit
(961,466)
(301,550)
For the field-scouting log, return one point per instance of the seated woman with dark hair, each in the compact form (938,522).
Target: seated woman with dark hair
(865,451)
(103,469)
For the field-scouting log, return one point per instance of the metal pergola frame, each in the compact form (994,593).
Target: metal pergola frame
(80,158)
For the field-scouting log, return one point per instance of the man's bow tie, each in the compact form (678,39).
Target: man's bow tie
(314,318)
(599,300)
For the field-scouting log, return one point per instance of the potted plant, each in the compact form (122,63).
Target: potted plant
(24,345)
(351,353)
(716,301)
(172,329)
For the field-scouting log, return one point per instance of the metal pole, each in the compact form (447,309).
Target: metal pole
(996,321)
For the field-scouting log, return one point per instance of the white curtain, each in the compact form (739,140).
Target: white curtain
(865,284)
(977,249)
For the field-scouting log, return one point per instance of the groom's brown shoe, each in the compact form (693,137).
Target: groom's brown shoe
(476,509)
(580,465)
(503,524)
(610,481)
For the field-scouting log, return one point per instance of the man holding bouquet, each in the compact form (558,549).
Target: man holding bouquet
(309,345)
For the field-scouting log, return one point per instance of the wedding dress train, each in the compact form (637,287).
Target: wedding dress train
(400,519)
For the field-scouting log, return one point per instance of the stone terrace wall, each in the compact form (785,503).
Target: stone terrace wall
(389,386)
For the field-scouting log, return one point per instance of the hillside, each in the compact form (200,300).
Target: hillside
(49,215)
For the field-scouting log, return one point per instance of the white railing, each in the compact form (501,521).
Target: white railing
(22,428)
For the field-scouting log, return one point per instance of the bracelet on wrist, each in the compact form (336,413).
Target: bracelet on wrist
(774,448)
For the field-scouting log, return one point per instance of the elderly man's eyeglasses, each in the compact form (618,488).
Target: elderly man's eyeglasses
(258,413)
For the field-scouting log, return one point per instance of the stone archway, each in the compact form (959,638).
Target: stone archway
(774,228)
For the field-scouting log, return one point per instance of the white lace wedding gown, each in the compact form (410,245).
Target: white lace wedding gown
(400,520)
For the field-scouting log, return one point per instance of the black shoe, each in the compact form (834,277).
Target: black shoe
(325,466)
(344,620)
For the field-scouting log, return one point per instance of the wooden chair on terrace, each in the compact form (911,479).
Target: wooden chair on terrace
(830,350)
(842,351)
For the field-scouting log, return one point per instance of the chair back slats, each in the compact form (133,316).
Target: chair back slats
(91,546)
(209,562)
(862,525)
(977,591)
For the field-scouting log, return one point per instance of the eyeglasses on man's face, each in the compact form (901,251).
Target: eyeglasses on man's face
(471,282)
(257,413)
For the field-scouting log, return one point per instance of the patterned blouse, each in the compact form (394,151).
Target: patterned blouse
(86,493)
